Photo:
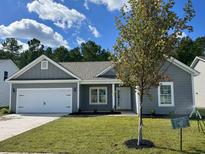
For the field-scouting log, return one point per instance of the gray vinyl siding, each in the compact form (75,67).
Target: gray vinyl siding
(183,98)
(52,72)
(86,106)
(44,85)
(84,99)
(111,73)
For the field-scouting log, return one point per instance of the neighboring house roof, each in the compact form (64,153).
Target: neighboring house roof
(195,61)
(8,60)
(3,60)
(87,70)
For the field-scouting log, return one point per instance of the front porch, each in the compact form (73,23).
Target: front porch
(106,98)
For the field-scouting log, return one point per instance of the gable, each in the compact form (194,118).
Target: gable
(200,66)
(36,73)
(174,72)
(110,73)
(196,61)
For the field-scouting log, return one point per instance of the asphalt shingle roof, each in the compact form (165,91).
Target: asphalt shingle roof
(87,70)
(202,57)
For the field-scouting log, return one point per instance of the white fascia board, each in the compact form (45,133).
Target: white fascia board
(105,70)
(66,81)
(183,66)
(41,81)
(24,69)
(196,59)
(100,82)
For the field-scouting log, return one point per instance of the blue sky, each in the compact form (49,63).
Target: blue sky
(70,22)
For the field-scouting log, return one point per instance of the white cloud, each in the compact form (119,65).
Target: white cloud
(28,29)
(182,35)
(79,40)
(94,31)
(86,4)
(110,4)
(1,46)
(24,46)
(61,15)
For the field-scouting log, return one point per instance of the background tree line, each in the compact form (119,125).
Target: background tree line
(186,50)
(88,51)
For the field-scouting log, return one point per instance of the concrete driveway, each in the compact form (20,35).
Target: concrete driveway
(14,124)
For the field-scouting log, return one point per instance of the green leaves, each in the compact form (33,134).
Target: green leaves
(147,33)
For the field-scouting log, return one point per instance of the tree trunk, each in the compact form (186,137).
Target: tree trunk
(139,141)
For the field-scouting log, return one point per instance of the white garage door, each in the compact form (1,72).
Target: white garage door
(58,100)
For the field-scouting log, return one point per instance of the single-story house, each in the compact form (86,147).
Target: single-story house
(199,81)
(45,86)
(7,68)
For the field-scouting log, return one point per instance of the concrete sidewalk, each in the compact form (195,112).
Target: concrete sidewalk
(14,124)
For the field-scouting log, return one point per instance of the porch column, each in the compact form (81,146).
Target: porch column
(113,96)
(78,95)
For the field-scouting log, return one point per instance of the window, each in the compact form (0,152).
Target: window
(98,95)
(5,75)
(44,65)
(166,94)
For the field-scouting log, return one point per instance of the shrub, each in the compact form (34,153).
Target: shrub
(95,110)
(79,110)
(153,112)
(171,114)
(4,111)
(112,111)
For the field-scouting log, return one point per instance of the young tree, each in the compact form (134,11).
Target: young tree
(149,31)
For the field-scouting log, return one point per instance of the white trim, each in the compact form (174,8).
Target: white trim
(172,60)
(10,97)
(36,61)
(78,95)
(105,70)
(172,94)
(41,81)
(101,81)
(20,89)
(113,96)
(67,81)
(44,89)
(193,92)
(183,66)
(17,100)
(42,65)
(196,59)
(91,88)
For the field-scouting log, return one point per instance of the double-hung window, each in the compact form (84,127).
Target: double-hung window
(166,94)
(98,95)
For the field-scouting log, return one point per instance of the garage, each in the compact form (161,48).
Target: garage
(44,100)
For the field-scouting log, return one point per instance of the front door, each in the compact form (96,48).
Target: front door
(123,98)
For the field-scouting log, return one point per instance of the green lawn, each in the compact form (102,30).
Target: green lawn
(104,134)
(4,111)
(202,112)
